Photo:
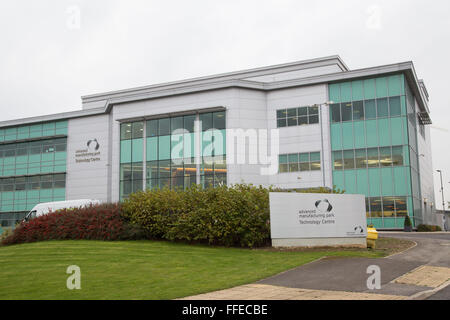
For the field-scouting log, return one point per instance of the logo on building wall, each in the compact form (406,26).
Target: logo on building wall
(323,206)
(93,145)
(89,154)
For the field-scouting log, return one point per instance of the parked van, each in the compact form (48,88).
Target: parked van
(44,208)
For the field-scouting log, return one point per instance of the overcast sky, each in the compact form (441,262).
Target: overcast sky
(49,57)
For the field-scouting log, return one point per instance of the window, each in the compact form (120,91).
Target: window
(358,110)
(370,109)
(297,116)
(349,159)
(335,110)
(165,165)
(385,157)
(382,108)
(125,131)
(361,158)
(371,158)
(337,160)
(394,106)
(388,207)
(283,164)
(315,161)
(297,162)
(34,157)
(346,111)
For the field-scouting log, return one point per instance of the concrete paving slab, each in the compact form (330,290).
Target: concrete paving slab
(426,276)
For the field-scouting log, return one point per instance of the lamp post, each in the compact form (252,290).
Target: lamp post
(443,201)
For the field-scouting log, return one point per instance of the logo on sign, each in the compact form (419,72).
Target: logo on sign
(323,206)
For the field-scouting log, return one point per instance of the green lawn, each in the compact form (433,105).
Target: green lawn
(140,269)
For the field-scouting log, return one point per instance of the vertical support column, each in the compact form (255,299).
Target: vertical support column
(144,155)
(198,145)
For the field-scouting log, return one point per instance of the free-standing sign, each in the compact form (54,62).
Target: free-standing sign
(308,215)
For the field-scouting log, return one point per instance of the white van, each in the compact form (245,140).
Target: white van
(44,208)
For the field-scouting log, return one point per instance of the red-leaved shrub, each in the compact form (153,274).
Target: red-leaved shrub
(100,222)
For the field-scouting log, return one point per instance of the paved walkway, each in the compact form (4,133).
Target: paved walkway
(410,274)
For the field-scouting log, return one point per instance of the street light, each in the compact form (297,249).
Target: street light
(442,190)
(443,201)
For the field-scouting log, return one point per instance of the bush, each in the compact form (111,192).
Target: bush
(229,216)
(428,228)
(407,224)
(100,222)
(6,233)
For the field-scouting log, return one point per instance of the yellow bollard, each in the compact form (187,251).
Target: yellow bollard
(372,236)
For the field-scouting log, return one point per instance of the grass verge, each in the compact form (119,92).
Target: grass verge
(143,269)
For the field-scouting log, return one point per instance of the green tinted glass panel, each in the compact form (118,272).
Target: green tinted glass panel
(346,91)
(125,151)
(359,134)
(371,133)
(207,144)
(283,159)
(347,135)
(293,158)
(389,223)
(400,181)
(315,156)
(304,157)
(394,106)
(338,179)
(384,132)
(362,182)
(336,136)
(335,92)
(152,148)
(369,89)
(137,150)
(220,143)
(350,181)
(397,131)
(189,145)
(381,87)
(357,90)
(374,182)
(382,108)
(403,105)
(177,146)
(395,85)
(164,147)
(370,109)
(387,187)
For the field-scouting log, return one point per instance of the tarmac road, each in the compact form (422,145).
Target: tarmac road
(350,274)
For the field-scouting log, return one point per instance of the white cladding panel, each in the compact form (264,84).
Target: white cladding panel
(87,166)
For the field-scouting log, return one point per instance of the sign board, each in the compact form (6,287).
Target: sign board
(305,215)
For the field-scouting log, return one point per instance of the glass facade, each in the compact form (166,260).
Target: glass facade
(297,116)
(160,153)
(32,168)
(297,162)
(374,147)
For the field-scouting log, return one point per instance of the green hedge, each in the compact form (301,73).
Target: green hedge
(228,216)
(428,228)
